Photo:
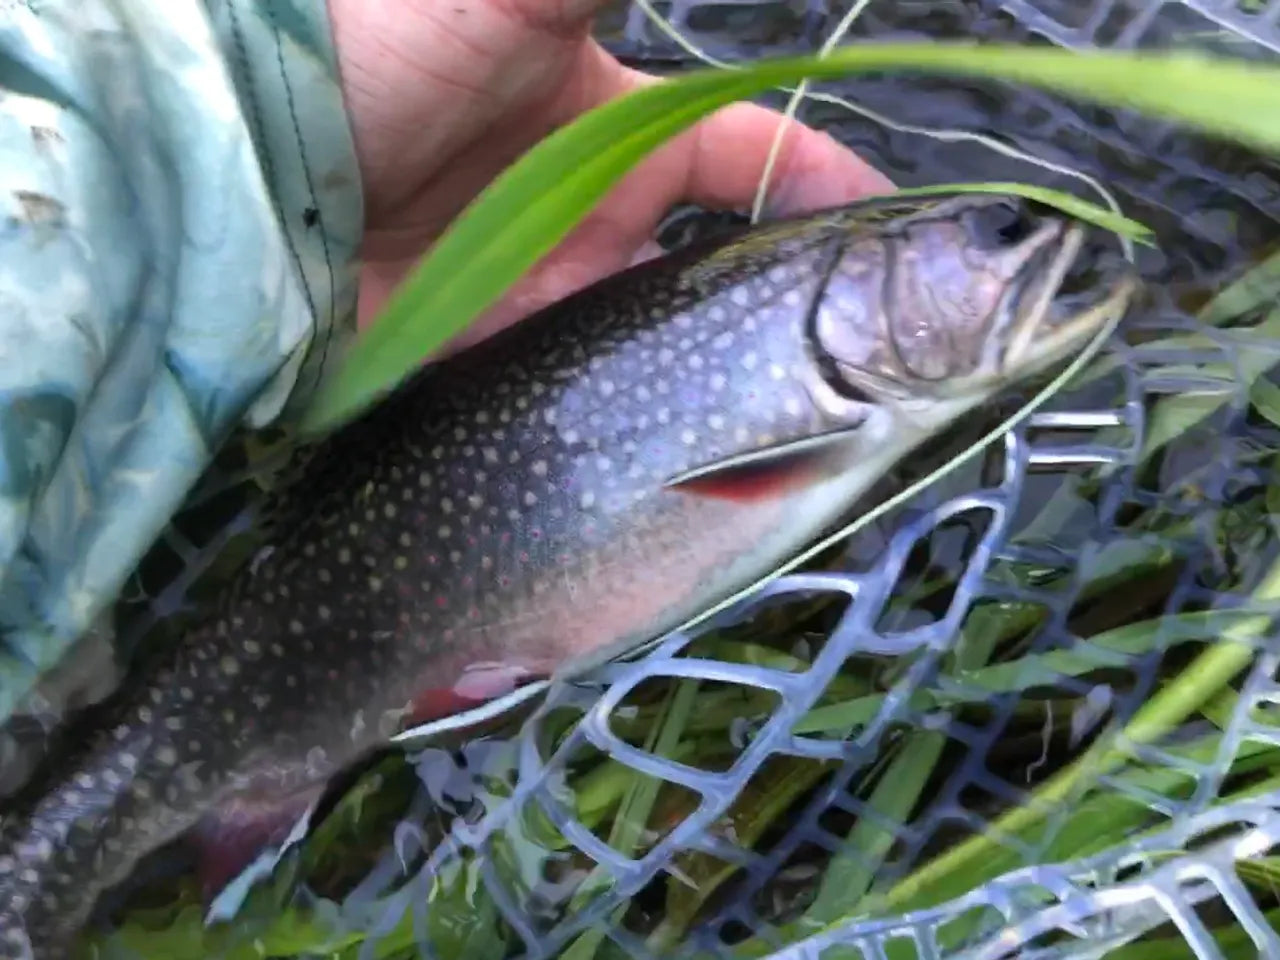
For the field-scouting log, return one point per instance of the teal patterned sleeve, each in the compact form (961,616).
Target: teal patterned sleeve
(180,211)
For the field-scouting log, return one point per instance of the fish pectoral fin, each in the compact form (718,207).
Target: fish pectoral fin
(770,472)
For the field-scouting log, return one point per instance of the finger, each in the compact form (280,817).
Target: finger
(724,157)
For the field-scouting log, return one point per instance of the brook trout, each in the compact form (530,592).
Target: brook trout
(584,481)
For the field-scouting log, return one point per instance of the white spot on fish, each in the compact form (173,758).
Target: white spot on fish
(777,372)
(792,406)
(344,555)
(792,298)
(750,360)
(718,381)
(252,648)
(166,756)
(444,532)
(539,468)
(587,501)
(259,558)
(530,498)
(724,341)
(41,850)
(688,438)
(606,388)
(715,421)
(739,296)
(229,666)
(375,584)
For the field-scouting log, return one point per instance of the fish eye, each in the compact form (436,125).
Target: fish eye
(997,225)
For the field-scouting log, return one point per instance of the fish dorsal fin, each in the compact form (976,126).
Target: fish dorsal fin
(770,472)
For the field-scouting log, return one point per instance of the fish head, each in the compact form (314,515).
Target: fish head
(935,306)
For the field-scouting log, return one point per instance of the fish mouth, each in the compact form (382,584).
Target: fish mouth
(1071,294)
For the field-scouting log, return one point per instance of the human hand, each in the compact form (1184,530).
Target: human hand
(443,95)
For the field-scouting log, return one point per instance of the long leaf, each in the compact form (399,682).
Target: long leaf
(526,211)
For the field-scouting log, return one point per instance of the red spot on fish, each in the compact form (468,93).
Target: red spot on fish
(442,601)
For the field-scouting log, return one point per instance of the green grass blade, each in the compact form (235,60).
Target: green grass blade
(533,205)
(852,870)
(976,685)
(633,815)
(1259,286)
(1204,678)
